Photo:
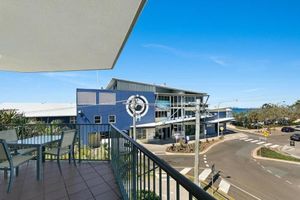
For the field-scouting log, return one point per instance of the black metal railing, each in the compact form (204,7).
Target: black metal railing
(142,175)
(92,143)
(139,173)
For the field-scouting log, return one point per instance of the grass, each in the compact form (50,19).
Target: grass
(268,153)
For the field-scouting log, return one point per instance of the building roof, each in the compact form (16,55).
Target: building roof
(43,35)
(41,109)
(154,87)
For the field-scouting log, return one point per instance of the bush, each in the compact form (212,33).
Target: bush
(145,194)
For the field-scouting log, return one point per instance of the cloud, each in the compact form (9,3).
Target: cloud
(74,78)
(172,50)
(251,90)
(218,60)
(63,74)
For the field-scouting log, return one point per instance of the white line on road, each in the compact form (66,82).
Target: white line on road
(204,155)
(255,197)
(289,182)
(244,138)
(254,141)
(263,167)
(224,186)
(278,176)
(185,171)
(274,146)
(259,143)
(205,161)
(204,174)
(268,144)
(207,165)
(269,171)
(248,140)
(204,158)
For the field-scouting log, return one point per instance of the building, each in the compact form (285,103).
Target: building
(163,112)
(45,112)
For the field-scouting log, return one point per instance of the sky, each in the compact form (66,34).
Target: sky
(242,53)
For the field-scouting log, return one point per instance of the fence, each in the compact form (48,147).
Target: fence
(139,173)
(92,141)
(142,175)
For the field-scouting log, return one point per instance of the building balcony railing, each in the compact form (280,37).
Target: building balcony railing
(138,172)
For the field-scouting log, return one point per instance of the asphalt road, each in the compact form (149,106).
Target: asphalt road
(249,178)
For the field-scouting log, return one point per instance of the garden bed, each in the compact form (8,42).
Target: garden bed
(269,153)
(182,147)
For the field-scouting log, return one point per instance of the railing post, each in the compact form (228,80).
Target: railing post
(79,143)
(133,173)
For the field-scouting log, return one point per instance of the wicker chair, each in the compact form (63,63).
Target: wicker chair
(65,146)
(11,163)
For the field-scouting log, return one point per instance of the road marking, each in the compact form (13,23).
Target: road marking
(263,167)
(259,143)
(289,182)
(255,197)
(205,161)
(278,176)
(185,171)
(224,186)
(269,171)
(254,141)
(204,158)
(207,165)
(268,144)
(274,146)
(248,140)
(244,138)
(204,174)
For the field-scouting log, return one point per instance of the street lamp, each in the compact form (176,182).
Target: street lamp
(219,113)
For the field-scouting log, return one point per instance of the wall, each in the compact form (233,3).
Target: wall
(123,119)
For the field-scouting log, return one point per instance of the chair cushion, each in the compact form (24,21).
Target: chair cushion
(17,160)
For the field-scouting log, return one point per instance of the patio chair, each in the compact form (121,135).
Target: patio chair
(11,136)
(11,163)
(65,146)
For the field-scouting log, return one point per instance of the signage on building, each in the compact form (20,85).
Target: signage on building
(140,105)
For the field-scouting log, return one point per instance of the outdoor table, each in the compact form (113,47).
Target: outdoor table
(39,142)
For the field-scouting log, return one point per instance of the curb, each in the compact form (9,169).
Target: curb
(254,155)
(191,154)
(203,152)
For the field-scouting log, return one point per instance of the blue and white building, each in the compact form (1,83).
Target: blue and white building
(162,111)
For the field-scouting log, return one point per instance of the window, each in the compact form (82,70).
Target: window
(112,119)
(107,98)
(72,120)
(86,98)
(98,119)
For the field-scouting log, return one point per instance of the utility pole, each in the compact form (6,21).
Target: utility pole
(197,136)
(134,118)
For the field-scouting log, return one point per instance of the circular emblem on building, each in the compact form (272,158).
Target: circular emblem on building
(140,105)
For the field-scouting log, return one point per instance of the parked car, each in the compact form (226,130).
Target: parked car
(297,127)
(287,129)
(295,137)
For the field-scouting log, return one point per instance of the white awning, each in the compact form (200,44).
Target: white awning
(60,35)
(227,119)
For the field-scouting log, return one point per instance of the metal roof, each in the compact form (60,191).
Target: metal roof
(61,35)
(41,109)
(114,80)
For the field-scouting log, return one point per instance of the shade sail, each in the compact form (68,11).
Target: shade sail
(60,35)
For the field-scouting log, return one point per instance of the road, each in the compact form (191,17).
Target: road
(249,178)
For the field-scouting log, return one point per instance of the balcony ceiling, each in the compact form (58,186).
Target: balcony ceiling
(62,35)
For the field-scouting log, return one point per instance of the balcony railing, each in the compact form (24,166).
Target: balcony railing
(139,173)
